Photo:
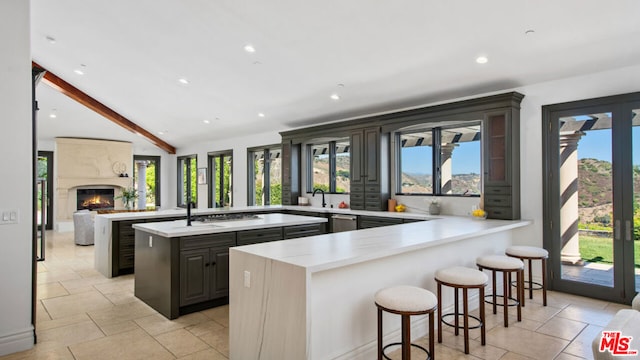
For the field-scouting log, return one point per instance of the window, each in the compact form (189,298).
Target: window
(329,166)
(221,170)
(440,161)
(187,180)
(265,178)
(150,178)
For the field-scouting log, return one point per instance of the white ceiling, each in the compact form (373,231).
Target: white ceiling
(387,54)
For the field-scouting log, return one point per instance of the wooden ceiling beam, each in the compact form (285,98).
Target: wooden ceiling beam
(78,95)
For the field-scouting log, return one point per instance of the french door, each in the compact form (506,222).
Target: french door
(592,196)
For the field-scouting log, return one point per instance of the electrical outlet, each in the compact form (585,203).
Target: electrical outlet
(247,279)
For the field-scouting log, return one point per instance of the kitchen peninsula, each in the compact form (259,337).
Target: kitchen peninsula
(180,268)
(312,298)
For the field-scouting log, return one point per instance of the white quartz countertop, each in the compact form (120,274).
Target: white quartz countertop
(324,252)
(271,208)
(179,228)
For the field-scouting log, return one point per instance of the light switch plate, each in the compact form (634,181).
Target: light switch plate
(9,216)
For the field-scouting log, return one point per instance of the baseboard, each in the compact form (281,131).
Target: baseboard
(17,342)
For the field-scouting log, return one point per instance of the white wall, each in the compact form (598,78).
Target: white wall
(16,331)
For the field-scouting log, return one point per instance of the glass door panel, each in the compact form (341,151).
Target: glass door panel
(635,133)
(586,205)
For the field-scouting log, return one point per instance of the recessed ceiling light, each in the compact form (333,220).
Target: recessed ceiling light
(261,115)
(53,115)
(78,71)
(249,48)
(206,121)
(482,60)
(160,132)
(50,39)
(183,81)
(335,97)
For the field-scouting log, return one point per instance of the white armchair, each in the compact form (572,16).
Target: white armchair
(83,227)
(627,322)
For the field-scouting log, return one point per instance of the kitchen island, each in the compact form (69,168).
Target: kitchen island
(312,298)
(181,269)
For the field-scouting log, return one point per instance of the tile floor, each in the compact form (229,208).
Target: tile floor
(83,315)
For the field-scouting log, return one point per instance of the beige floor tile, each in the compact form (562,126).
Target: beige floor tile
(112,287)
(122,297)
(68,320)
(220,314)
(51,290)
(181,342)
(39,352)
(83,282)
(565,356)
(525,342)
(562,328)
(204,327)
(209,354)
(158,324)
(218,339)
(120,313)
(55,276)
(117,328)
(41,313)
(70,334)
(76,304)
(476,349)
(135,344)
(581,345)
(539,313)
(514,356)
(587,314)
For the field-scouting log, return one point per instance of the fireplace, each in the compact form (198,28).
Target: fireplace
(94,199)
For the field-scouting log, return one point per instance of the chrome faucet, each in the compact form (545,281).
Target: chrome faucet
(324,204)
(190,204)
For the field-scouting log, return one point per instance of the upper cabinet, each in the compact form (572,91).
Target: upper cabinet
(371,160)
(369,185)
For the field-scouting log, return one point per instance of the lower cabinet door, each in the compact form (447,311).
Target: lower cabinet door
(194,276)
(219,272)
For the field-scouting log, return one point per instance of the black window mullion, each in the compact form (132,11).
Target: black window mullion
(266,191)
(332,166)
(436,143)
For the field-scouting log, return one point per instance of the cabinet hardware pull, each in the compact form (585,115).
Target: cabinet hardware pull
(206,264)
(213,263)
(627,230)
(616,230)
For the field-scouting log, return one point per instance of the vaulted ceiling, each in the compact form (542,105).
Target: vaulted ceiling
(375,55)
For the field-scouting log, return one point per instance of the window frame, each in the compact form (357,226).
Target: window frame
(436,156)
(191,160)
(332,146)
(251,176)
(156,160)
(213,196)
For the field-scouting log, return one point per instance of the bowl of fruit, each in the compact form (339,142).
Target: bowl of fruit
(478,214)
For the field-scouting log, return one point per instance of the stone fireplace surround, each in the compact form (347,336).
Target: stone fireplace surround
(88,163)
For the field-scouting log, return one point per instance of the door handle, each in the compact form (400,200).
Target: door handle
(616,230)
(627,235)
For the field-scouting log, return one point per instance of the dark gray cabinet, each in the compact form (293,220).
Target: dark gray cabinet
(298,231)
(290,173)
(204,267)
(248,237)
(367,222)
(369,183)
(502,163)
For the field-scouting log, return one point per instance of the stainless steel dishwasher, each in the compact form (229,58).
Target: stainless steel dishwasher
(344,222)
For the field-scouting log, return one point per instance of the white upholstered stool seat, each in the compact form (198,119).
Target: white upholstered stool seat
(459,277)
(406,298)
(506,265)
(530,253)
(405,301)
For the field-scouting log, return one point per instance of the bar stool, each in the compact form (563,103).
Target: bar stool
(506,265)
(532,253)
(405,301)
(462,278)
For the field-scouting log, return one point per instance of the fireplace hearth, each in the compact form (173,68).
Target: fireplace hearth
(94,199)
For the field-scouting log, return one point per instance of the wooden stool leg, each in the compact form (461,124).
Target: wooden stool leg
(465,309)
(482,315)
(456,311)
(493,277)
(509,282)
(505,297)
(439,312)
(431,338)
(544,282)
(520,283)
(379,334)
(530,282)
(406,338)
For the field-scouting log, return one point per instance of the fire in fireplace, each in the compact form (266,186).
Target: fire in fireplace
(93,199)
